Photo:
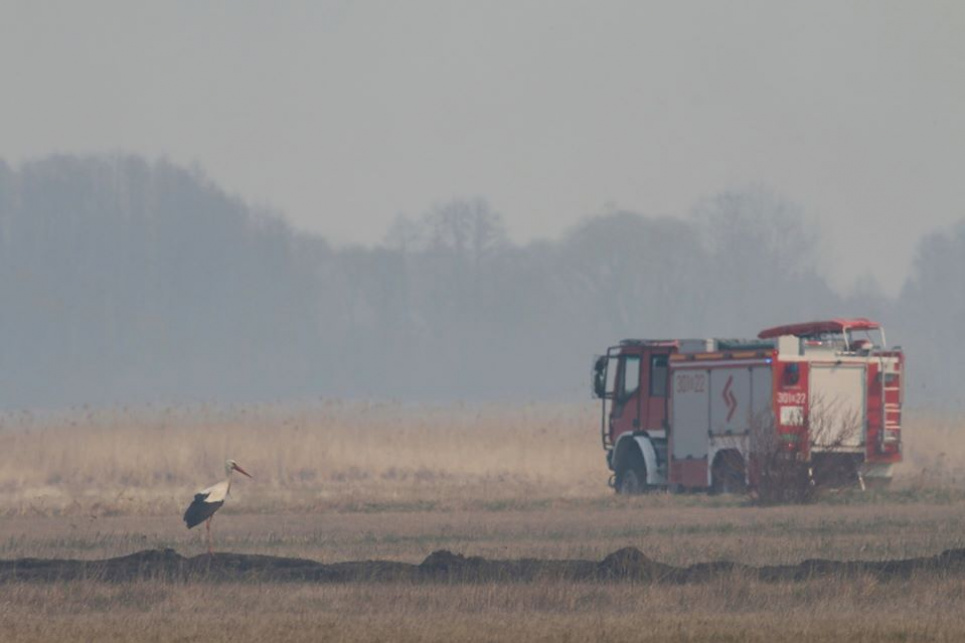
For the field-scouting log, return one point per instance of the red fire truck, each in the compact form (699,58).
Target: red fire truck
(705,414)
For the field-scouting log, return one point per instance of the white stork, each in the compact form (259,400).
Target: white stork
(207,501)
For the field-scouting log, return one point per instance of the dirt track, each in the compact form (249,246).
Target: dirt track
(444,566)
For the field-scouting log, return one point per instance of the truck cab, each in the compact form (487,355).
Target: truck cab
(637,376)
(633,381)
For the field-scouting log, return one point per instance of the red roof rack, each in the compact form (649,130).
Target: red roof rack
(809,329)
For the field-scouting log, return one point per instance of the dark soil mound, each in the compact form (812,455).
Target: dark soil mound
(630,562)
(445,566)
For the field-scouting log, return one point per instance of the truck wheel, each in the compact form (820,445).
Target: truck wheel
(631,474)
(727,474)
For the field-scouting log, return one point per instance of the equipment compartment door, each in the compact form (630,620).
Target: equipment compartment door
(691,413)
(837,415)
(762,397)
(730,400)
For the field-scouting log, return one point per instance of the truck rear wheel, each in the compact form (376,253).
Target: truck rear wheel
(631,473)
(727,475)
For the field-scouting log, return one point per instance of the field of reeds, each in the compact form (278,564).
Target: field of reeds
(337,481)
(323,457)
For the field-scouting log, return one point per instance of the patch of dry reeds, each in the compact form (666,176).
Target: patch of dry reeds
(333,454)
(349,456)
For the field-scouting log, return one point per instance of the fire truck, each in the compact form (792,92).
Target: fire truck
(710,414)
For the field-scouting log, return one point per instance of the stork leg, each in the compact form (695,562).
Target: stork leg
(207,524)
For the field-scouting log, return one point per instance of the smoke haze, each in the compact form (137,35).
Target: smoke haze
(343,114)
(127,280)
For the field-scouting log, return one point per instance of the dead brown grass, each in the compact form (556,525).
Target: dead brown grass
(346,457)
(667,529)
(340,481)
(934,452)
(332,455)
(734,609)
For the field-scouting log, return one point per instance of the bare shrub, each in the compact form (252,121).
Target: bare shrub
(781,477)
(782,472)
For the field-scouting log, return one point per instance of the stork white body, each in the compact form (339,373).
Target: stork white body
(209,500)
(217,492)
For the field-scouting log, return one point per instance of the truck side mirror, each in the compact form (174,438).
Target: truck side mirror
(599,377)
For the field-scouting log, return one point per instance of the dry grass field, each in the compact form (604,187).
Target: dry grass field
(339,481)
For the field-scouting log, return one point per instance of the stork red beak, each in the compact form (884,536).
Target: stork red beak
(240,470)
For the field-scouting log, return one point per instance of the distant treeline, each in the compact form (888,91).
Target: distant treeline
(125,281)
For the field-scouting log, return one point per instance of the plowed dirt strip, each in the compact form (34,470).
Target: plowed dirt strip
(444,566)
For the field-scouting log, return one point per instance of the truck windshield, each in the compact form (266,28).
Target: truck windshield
(866,339)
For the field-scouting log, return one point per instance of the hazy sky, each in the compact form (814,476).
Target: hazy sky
(342,114)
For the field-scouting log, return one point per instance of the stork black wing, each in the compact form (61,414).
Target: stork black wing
(200,510)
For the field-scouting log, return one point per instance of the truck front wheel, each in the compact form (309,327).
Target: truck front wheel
(631,473)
